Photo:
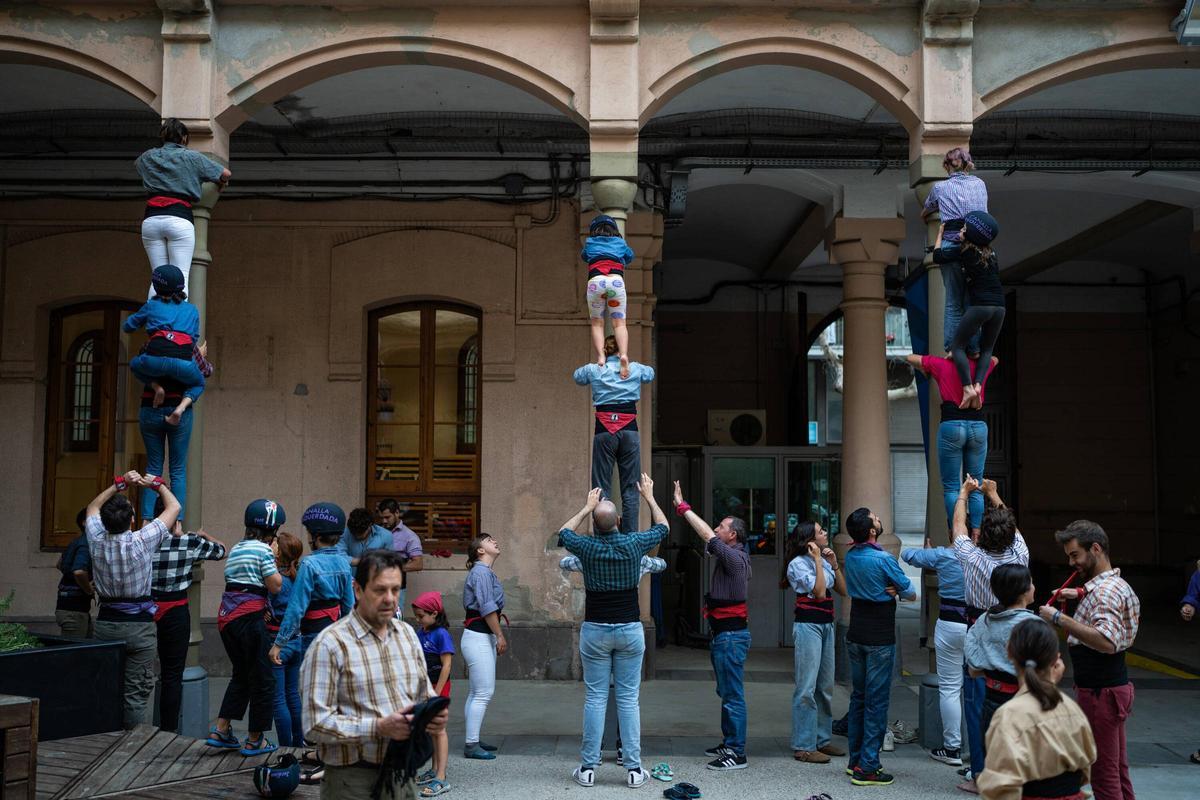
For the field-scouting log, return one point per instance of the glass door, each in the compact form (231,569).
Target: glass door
(812,494)
(745,487)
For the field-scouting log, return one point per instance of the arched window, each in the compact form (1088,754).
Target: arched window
(91,412)
(82,396)
(423,418)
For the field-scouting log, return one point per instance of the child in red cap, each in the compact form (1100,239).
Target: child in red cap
(438,646)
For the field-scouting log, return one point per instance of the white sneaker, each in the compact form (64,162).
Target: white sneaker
(635,778)
(584,776)
(889,742)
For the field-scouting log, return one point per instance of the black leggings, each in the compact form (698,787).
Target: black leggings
(988,320)
(253,681)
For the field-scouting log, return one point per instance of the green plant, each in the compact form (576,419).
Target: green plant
(12,635)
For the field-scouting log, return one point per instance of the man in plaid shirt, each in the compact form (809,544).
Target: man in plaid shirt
(122,563)
(1102,629)
(171,579)
(611,639)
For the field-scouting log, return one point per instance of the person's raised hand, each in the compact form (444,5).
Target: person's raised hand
(397,725)
(970,485)
(1068,594)
(814,550)
(147,480)
(988,487)
(678,498)
(1047,613)
(593,499)
(133,477)
(501,645)
(646,486)
(1187,612)
(830,557)
(274,655)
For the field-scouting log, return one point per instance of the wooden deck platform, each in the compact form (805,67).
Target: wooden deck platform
(146,763)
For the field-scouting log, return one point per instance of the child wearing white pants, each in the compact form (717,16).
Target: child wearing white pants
(482,639)
(173,176)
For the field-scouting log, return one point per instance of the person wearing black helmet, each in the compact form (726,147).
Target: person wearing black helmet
(250,575)
(985,316)
(606,254)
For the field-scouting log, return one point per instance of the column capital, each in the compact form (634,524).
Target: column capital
(949,21)
(615,20)
(852,240)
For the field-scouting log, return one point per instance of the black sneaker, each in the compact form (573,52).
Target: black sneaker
(730,760)
(841,727)
(947,756)
(876,778)
(719,750)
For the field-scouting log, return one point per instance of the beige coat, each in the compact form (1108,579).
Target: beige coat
(1025,743)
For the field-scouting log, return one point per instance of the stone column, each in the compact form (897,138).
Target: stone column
(864,248)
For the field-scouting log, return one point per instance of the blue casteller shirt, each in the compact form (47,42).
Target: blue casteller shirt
(324,578)
(159,315)
(945,562)
(612,248)
(608,387)
(869,572)
(378,539)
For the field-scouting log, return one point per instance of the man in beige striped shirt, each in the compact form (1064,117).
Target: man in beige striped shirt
(361,677)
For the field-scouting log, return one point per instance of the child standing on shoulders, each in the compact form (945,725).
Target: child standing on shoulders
(606,254)
(433,633)
(174,327)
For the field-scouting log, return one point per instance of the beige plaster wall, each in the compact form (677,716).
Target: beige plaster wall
(288,295)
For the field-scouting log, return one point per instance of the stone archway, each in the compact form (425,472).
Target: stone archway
(15,50)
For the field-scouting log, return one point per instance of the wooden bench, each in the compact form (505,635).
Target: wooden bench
(18,747)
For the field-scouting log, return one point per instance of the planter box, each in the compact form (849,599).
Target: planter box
(18,747)
(79,684)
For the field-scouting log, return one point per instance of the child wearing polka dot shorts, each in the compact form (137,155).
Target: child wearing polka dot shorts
(607,255)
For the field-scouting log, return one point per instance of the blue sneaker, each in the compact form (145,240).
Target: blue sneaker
(475,751)
(224,740)
(259,748)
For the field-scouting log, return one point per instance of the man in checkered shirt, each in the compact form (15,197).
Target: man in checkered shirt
(169,587)
(611,639)
(1102,629)
(122,563)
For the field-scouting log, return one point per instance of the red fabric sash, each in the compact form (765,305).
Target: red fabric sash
(613,421)
(166,605)
(331,614)
(227,615)
(175,337)
(1000,686)
(606,266)
(735,611)
(160,201)
(809,604)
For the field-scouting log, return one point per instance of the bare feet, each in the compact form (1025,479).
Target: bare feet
(160,395)
(624,366)
(969,397)
(174,417)
(978,401)
(600,360)
(968,786)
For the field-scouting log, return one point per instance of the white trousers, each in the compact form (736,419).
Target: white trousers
(479,653)
(948,640)
(169,240)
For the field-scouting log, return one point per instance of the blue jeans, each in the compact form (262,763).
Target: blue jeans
(157,435)
(728,650)
(955,285)
(812,700)
(973,693)
(962,448)
(871,678)
(625,449)
(612,652)
(287,696)
(149,369)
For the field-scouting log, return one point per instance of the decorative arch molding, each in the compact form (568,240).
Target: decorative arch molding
(505,236)
(420,264)
(15,50)
(336,59)
(1157,53)
(29,297)
(846,65)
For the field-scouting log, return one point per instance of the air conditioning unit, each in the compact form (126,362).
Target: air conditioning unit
(740,427)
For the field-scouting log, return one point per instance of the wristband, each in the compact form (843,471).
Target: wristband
(155,481)
(682,509)
(119,483)
(1054,620)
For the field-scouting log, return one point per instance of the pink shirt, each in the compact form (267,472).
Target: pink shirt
(945,375)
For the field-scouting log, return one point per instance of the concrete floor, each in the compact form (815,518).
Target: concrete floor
(536,724)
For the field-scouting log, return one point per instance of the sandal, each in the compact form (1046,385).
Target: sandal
(426,777)
(312,777)
(257,748)
(434,788)
(690,790)
(310,759)
(662,772)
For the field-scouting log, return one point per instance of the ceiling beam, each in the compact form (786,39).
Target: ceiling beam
(808,234)
(1111,229)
